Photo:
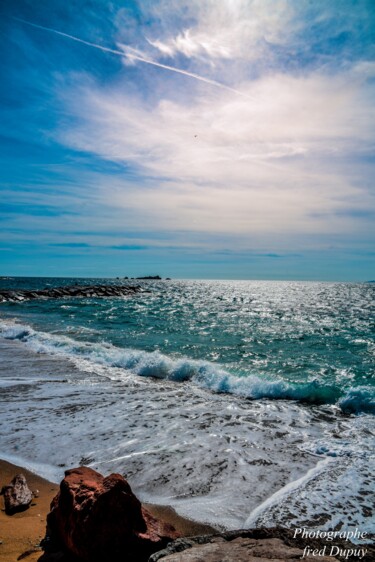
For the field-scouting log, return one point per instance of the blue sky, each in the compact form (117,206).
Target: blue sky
(197,139)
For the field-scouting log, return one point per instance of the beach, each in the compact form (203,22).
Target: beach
(21,533)
(241,406)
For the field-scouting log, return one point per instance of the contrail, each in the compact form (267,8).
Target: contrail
(134,57)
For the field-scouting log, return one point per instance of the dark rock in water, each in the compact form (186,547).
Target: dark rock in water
(8,295)
(96,518)
(57,293)
(155,277)
(17,495)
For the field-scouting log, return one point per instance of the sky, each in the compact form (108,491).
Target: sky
(222,139)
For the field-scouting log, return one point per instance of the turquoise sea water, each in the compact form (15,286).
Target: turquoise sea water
(297,340)
(239,403)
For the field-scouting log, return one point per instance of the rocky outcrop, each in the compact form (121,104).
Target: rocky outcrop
(92,291)
(261,545)
(17,496)
(94,518)
(238,550)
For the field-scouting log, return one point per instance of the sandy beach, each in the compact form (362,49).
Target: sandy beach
(21,533)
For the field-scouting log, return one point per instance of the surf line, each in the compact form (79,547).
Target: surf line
(135,56)
(283,492)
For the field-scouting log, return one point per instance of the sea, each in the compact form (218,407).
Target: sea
(238,403)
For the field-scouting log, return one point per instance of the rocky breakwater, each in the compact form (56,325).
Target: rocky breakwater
(95,518)
(92,291)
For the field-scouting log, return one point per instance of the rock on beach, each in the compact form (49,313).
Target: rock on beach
(17,496)
(99,518)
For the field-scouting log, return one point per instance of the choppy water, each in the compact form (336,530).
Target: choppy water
(238,403)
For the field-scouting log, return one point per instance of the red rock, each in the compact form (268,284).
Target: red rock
(98,518)
(17,496)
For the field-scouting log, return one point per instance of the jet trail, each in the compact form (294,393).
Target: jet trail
(134,57)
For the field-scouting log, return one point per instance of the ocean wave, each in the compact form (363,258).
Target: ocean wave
(202,373)
(15,332)
(357,400)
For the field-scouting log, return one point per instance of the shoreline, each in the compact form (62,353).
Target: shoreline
(27,433)
(22,532)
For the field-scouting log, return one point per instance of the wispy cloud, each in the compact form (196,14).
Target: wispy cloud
(131,247)
(70,245)
(230,30)
(133,55)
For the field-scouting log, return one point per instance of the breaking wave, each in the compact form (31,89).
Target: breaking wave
(202,373)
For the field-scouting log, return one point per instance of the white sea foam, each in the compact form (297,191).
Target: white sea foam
(285,492)
(346,482)
(47,471)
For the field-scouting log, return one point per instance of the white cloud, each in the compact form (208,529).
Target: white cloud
(228,29)
(220,163)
